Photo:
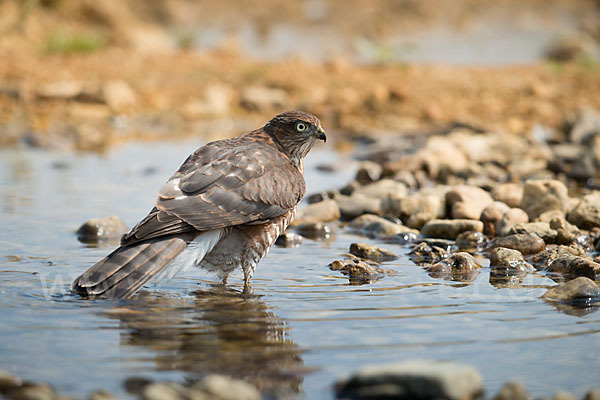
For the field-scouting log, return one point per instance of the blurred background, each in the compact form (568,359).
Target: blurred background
(85,74)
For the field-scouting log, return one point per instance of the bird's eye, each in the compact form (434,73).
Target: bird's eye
(301,127)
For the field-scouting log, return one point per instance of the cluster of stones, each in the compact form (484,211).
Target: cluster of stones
(525,204)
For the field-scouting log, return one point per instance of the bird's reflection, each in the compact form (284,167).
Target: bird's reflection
(221,330)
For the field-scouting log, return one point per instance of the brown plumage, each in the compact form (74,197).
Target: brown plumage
(221,210)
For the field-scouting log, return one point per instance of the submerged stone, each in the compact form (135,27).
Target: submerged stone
(461,267)
(98,229)
(371,252)
(579,291)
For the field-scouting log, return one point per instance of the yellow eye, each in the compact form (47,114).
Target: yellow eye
(301,127)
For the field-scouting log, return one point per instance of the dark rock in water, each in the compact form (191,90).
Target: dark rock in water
(99,229)
(413,380)
(512,391)
(461,267)
(580,291)
(471,241)
(543,259)
(573,266)
(586,214)
(450,228)
(401,238)
(289,239)
(370,252)
(359,272)
(523,242)
(315,230)
(423,254)
(509,262)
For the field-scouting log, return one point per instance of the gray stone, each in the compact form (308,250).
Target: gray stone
(512,391)
(541,195)
(368,171)
(512,217)
(413,380)
(572,266)
(509,193)
(523,242)
(224,388)
(586,215)
(491,215)
(98,229)
(580,290)
(509,262)
(540,229)
(450,228)
(372,224)
(467,202)
(323,211)
(364,250)
(461,267)
(357,205)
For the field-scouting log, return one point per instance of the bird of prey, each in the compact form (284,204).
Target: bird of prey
(223,209)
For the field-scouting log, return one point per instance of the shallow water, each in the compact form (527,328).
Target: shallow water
(299,329)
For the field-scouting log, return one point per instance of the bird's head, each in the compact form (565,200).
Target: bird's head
(297,132)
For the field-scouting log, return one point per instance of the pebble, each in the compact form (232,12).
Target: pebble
(413,379)
(580,291)
(424,253)
(359,272)
(526,243)
(543,259)
(471,241)
(372,224)
(418,209)
(540,229)
(491,215)
(36,391)
(163,391)
(563,395)
(98,229)
(541,195)
(512,391)
(586,214)
(509,193)
(572,266)
(101,395)
(221,387)
(315,230)
(371,252)
(323,211)
(509,262)
(467,202)
(450,228)
(289,239)
(512,217)
(368,172)
(461,267)
(383,189)
(357,204)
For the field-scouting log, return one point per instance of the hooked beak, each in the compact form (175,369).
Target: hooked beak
(321,134)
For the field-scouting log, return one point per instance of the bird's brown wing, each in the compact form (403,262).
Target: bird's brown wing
(223,184)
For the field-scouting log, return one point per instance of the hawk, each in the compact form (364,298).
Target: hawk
(223,209)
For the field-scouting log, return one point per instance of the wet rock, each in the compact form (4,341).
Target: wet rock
(450,228)
(540,229)
(572,266)
(491,215)
(541,195)
(260,98)
(289,239)
(62,90)
(368,172)
(118,95)
(544,258)
(8,382)
(383,189)
(163,391)
(471,241)
(315,230)
(419,209)
(424,253)
(509,262)
(524,242)
(512,217)
(413,380)
(509,193)
(467,202)
(99,229)
(580,291)
(461,267)
(359,272)
(101,395)
(512,391)
(374,225)
(220,387)
(586,215)
(371,252)
(323,211)
(357,205)
(402,238)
